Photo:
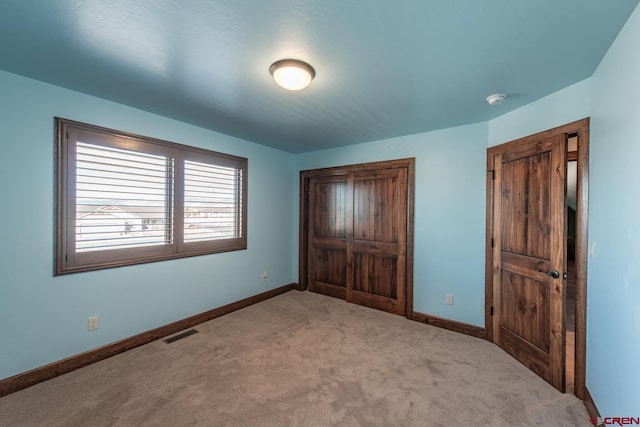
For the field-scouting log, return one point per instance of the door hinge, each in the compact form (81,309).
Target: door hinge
(491,311)
(493,243)
(493,174)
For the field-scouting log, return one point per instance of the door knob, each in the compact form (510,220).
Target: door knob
(553,273)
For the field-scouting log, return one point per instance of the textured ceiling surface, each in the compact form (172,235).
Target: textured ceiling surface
(384,68)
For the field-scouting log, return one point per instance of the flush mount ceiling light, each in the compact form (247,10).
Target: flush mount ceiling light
(292,74)
(496,98)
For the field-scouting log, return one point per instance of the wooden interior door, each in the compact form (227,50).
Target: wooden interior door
(357,231)
(529,219)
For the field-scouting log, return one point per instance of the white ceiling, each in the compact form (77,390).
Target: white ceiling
(384,68)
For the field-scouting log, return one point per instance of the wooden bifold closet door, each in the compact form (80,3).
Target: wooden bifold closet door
(357,236)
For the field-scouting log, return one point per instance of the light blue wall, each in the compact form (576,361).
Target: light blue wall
(613,319)
(44,318)
(564,106)
(449,213)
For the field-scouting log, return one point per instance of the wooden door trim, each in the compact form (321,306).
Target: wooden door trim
(581,129)
(305,177)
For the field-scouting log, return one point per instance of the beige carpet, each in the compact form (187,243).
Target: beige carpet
(301,359)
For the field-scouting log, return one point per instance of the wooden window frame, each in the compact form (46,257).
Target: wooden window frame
(68,260)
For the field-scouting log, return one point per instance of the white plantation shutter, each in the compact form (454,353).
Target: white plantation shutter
(122,198)
(212,202)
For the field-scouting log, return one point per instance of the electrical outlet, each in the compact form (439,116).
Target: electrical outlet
(264,276)
(449,299)
(92,324)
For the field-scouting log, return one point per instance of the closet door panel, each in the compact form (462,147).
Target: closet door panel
(328,200)
(379,239)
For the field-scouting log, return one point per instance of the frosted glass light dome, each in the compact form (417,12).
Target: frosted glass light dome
(292,74)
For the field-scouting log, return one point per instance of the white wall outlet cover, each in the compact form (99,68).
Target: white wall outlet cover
(92,323)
